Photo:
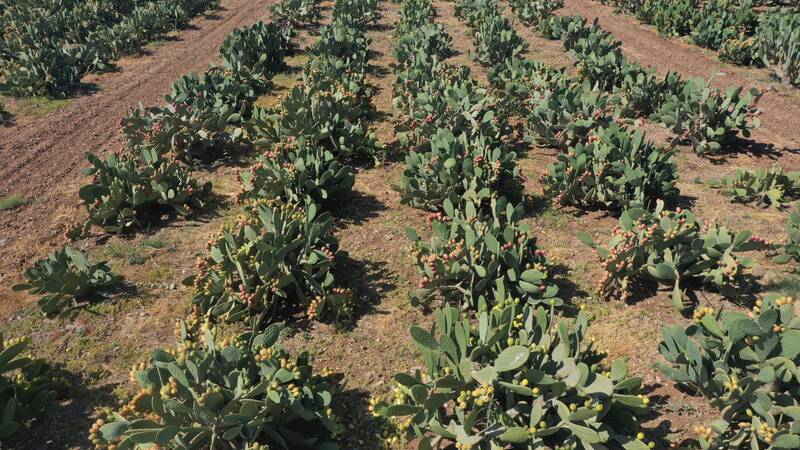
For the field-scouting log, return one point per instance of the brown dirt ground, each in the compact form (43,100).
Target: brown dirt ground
(43,156)
(99,345)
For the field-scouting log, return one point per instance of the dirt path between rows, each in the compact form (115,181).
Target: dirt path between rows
(42,158)
(779,135)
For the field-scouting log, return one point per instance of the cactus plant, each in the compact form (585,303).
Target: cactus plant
(201,120)
(779,43)
(519,378)
(457,167)
(210,392)
(535,11)
(615,168)
(564,113)
(28,386)
(276,260)
(296,13)
(256,51)
(432,95)
(743,364)
(126,190)
(673,248)
(772,187)
(479,262)
(66,277)
(296,172)
(790,251)
(709,118)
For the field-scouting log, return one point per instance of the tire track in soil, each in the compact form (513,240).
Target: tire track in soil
(780,119)
(43,158)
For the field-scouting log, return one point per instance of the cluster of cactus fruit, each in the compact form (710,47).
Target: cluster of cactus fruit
(244,392)
(744,364)
(296,172)
(772,187)
(480,262)
(28,386)
(519,378)
(65,279)
(614,168)
(673,248)
(277,259)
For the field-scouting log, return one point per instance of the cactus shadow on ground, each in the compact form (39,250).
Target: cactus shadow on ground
(356,209)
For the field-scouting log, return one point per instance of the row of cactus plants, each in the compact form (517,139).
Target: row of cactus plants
(277,256)
(708,119)
(500,370)
(48,47)
(278,259)
(740,31)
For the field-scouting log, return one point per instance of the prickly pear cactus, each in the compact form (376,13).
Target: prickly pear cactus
(615,168)
(790,251)
(128,191)
(66,279)
(673,248)
(772,187)
(296,172)
(461,168)
(518,378)
(245,392)
(481,263)
(28,386)
(744,364)
(276,260)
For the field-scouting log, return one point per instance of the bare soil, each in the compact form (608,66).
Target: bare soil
(43,157)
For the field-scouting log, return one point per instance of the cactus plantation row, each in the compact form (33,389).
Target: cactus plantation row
(505,359)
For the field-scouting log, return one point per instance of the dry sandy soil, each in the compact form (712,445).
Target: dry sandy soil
(96,348)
